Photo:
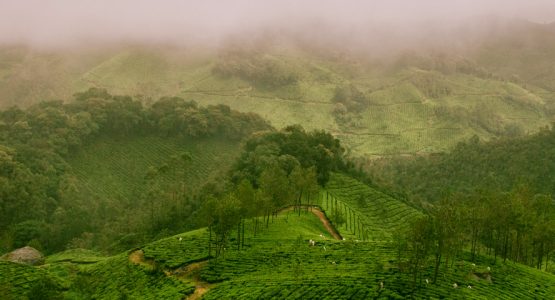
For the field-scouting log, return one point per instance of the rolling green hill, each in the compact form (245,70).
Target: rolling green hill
(416,103)
(279,262)
(112,167)
(375,215)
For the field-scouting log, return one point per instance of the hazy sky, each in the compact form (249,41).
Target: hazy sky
(57,22)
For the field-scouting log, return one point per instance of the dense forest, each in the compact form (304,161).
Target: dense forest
(493,197)
(39,203)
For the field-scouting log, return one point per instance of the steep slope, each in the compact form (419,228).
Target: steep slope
(279,262)
(368,214)
(112,167)
(421,103)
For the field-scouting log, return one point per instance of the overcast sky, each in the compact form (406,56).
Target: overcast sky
(53,22)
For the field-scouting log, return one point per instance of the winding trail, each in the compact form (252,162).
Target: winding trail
(191,272)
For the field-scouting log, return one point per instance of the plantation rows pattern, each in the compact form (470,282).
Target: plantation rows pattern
(117,277)
(288,268)
(17,279)
(116,168)
(378,213)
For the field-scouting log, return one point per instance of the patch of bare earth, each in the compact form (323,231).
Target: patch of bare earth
(188,273)
(138,257)
(192,272)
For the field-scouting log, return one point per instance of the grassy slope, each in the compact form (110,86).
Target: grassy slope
(379,214)
(401,118)
(116,167)
(279,263)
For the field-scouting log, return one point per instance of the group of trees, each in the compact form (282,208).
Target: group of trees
(288,148)
(349,102)
(260,69)
(491,198)
(277,169)
(496,165)
(277,190)
(38,199)
(518,225)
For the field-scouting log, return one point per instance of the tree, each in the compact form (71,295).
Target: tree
(224,214)
(276,188)
(419,245)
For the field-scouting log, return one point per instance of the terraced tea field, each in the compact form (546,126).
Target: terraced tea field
(284,267)
(117,277)
(278,263)
(369,214)
(116,167)
(17,279)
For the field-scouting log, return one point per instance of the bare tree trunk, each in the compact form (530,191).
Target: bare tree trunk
(243,234)
(239,235)
(210,240)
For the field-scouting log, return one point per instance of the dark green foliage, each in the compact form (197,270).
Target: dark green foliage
(350,97)
(36,182)
(19,280)
(27,231)
(286,148)
(498,196)
(496,165)
(259,69)
(45,289)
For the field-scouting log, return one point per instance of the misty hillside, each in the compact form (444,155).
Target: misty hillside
(501,84)
(277,149)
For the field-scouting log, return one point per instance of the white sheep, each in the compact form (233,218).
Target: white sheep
(469,286)
(180,239)
(333,262)
(455,285)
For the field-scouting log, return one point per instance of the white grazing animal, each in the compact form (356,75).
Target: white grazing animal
(455,285)
(469,286)
(180,239)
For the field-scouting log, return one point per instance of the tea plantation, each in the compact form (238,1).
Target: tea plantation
(279,262)
(116,167)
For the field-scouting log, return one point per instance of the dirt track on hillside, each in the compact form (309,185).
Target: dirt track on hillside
(323,218)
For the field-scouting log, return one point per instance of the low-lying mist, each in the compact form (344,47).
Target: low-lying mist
(369,27)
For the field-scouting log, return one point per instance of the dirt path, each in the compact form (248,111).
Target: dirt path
(138,257)
(317,211)
(190,272)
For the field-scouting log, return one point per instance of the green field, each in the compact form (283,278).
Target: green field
(279,263)
(413,108)
(115,168)
(369,214)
